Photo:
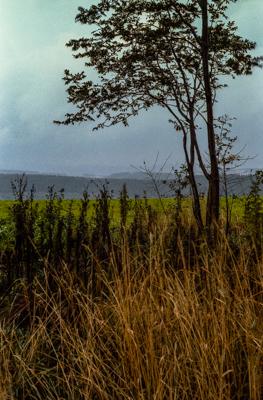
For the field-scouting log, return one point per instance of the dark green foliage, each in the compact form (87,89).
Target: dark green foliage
(23,213)
(147,61)
(101,237)
(82,238)
(253,213)
(178,186)
(124,207)
(138,232)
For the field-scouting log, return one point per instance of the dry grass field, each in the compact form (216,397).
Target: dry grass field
(152,325)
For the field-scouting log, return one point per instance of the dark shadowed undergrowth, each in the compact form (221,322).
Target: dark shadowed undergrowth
(142,309)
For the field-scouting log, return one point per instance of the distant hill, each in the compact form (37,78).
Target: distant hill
(17,171)
(140,175)
(137,184)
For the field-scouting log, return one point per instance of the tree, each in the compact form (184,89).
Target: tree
(227,159)
(168,53)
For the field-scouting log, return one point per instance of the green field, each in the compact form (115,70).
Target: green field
(236,206)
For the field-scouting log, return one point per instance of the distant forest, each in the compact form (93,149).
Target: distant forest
(138,184)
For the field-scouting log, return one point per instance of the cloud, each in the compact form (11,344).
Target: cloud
(249,14)
(33,59)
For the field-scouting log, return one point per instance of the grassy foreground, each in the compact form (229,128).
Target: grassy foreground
(124,299)
(147,331)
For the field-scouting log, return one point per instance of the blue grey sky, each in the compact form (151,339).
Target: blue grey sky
(33,57)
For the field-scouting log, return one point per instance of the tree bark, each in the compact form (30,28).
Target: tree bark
(193,184)
(212,209)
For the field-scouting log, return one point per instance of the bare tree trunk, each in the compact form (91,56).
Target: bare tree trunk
(212,210)
(193,184)
(196,196)
(196,200)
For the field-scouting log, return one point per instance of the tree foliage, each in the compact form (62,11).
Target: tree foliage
(158,52)
(147,53)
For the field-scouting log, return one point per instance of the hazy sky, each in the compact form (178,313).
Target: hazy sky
(33,57)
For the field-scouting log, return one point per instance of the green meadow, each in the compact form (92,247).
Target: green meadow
(236,205)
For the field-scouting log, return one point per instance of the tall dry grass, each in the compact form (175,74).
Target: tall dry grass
(151,331)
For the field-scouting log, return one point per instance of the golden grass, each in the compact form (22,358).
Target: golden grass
(152,332)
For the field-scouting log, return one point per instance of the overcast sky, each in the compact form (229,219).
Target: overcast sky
(33,57)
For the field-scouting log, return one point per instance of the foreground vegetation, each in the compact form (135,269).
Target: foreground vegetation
(138,307)
(151,332)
